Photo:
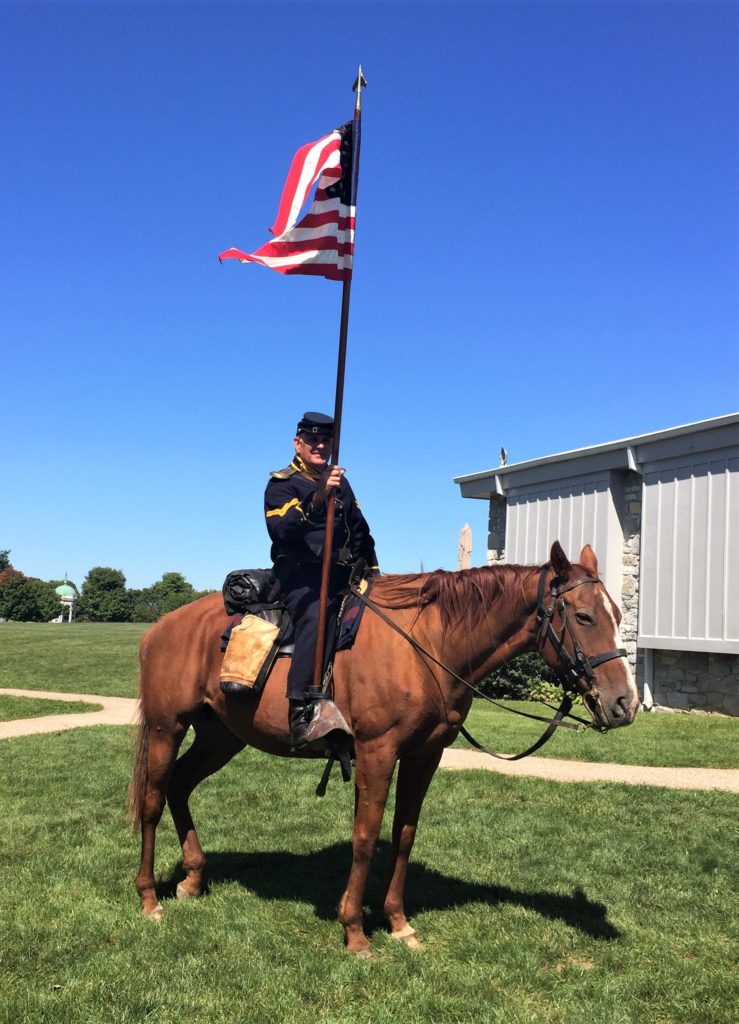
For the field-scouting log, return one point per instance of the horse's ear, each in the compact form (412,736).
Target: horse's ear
(559,561)
(588,560)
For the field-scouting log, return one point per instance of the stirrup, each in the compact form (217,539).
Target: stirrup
(327,718)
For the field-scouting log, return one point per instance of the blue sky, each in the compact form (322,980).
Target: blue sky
(547,258)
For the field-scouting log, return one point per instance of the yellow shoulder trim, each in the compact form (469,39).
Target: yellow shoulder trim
(286,473)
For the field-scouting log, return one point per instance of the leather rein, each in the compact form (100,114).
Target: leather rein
(573,669)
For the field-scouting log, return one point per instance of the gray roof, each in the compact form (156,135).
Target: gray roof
(628,453)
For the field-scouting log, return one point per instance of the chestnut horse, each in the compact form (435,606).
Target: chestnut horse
(401,705)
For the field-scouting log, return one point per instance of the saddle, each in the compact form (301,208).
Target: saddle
(261,628)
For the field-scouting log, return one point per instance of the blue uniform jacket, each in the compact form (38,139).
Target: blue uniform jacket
(298,530)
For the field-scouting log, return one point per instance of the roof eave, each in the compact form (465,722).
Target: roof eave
(626,454)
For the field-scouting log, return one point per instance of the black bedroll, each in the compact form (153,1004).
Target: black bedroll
(244,588)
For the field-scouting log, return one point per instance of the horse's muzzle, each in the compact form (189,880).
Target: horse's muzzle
(611,712)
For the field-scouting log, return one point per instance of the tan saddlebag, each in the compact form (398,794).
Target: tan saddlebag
(250,652)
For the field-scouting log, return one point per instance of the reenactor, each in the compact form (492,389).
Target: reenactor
(295,504)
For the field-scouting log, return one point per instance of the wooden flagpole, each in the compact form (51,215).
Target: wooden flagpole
(339,401)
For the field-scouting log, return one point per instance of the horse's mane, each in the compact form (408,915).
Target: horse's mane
(462,598)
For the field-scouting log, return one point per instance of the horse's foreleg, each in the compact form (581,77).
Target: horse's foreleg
(162,750)
(213,747)
(414,777)
(374,771)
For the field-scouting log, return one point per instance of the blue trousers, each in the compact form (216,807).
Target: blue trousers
(301,594)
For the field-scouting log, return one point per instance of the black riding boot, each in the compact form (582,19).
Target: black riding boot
(301,715)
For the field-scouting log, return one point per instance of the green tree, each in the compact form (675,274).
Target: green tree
(104,596)
(5,560)
(170,592)
(7,604)
(28,600)
(173,583)
(142,607)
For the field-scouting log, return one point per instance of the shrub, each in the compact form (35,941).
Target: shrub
(527,677)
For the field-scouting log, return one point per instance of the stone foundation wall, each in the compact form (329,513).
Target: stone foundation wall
(630,516)
(696,681)
(496,531)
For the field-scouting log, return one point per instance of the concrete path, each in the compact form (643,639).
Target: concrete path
(123,711)
(114,711)
(589,771)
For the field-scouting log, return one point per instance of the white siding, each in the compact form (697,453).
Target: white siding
(576,513)
(689,583)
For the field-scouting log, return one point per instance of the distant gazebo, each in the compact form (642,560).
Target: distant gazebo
(68,597)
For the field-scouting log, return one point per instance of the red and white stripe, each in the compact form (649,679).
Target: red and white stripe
(322,243)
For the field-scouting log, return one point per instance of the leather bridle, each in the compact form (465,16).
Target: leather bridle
(575,669)
(581,668)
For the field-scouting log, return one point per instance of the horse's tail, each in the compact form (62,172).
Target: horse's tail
(140,777)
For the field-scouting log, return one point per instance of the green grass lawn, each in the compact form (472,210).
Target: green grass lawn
(14,708)
(655,738)
(86,657)
(538,903)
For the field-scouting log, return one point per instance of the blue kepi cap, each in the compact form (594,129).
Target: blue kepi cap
(316,423)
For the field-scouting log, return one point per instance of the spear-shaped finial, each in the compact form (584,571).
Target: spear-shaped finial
(361,83)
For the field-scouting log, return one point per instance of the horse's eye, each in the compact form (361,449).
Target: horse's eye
(585,619)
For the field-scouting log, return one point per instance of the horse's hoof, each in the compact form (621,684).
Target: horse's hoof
(182,893)
(367,953)
(408,937)
(155,914)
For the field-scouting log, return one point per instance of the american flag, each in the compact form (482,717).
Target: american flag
(322,243)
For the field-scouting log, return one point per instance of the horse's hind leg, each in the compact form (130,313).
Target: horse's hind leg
(414,778)
(213,747)
(158,758)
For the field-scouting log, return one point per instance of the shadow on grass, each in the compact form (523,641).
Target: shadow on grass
(319,878)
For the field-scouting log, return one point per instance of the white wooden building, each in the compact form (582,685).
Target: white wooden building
(661,512)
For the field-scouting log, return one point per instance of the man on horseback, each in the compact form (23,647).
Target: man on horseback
(295,504)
